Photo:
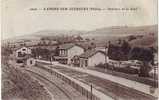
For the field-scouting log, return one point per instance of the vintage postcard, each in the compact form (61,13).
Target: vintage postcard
(79,50)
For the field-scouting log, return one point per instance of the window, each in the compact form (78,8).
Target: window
(62,52)
(19,54)
(65,52)
(31,62)
(86,63)
(23,49)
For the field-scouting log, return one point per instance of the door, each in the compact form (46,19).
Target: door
(86,63)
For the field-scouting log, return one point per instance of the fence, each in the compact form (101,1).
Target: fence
(76,86)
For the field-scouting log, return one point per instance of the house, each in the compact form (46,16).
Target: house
(104,49)
(75,61)
(92,58)
(155,58)
(67,52)
(23,51)
(22,54)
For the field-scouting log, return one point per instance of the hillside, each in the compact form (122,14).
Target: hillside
(145,41)
(120,31)
(101,35)
(144,35)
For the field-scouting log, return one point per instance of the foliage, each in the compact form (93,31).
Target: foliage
(101,65)
(79,38)
(6,51)
(142,54)
(131,37)
(25,86)
(125,47)
(127,70)
(125,52)
(91,46)
(56,52)
(116,52)
(44,53)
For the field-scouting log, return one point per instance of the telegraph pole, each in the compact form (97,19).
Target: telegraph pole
(106,54)
(155,85)
(91,92)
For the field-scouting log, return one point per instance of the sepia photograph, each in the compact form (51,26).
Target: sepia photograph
(79,50)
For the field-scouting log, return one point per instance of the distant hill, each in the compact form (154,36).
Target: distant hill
(145,35)
(58,32)
(45,33)
(120,31)
(102,35)
(145,41)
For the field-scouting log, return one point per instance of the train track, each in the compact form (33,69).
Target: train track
(42,79)
(105,86)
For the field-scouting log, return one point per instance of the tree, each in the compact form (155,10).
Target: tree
(115,51)
(42,41)
(79,38)
(131,37)
(92,46)
(6,51)
(87,39)
(125,48)
(146,56)
(119,41)
(57,51)
(123,51)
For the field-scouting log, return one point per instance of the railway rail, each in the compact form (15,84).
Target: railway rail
(61,96)
(104,86)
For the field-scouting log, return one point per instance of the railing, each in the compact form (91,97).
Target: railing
(76,86)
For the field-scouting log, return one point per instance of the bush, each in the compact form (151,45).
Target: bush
(105,66)
(25,85)
(101,65)
(127,70)
(19,61)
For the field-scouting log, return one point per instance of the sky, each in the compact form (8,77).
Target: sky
(18,19)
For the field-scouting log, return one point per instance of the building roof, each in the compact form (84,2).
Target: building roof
(84,45)
(68,46)
(90,53)
(51,48)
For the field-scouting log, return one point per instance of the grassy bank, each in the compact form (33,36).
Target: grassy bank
(20,86)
